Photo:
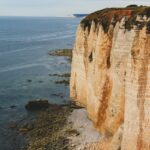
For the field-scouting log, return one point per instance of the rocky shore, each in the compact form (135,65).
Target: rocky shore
(47,129)
(50,128)
(55,126)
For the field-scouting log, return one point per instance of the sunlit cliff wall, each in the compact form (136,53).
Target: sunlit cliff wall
(110,75)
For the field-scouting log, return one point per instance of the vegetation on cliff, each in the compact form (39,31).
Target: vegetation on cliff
(109,16)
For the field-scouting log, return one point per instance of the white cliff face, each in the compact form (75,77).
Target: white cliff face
(94,81)
(137,109)
(78,73)
(110,77)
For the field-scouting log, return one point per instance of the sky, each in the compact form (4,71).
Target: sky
(59,7)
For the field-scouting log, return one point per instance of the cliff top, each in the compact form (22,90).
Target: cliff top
(134,15)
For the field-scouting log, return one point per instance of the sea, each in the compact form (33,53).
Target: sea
(25,66)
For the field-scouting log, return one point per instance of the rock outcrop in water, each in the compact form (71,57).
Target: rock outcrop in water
(111,75)
(37,105)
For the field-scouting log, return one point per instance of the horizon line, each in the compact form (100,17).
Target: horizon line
(33,16)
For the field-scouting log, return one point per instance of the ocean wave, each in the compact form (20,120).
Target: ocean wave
(13,68)
(42,61)
(13,51)
(38,38)
(20,50)
(58,38)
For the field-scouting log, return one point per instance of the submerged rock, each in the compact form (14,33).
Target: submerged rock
(13,106)
(65,82)
(29,80)
(40,81)
(61,75)
(37,105)
(13,125)
(61,52)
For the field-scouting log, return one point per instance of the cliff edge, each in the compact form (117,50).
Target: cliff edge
(110,75)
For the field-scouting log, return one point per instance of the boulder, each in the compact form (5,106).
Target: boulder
(37,105)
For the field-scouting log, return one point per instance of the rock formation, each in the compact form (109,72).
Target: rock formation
(110,75)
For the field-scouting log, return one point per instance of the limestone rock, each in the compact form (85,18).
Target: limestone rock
(110,75)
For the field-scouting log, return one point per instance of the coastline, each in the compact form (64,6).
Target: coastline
(58,126)
(47,129)
(62,127)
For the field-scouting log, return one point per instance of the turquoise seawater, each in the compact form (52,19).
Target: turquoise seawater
(24,46)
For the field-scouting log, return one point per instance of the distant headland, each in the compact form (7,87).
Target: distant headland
(80,15)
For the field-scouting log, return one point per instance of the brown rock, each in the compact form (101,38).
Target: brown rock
(37,105)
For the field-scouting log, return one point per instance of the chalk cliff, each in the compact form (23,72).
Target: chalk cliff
(110,75)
